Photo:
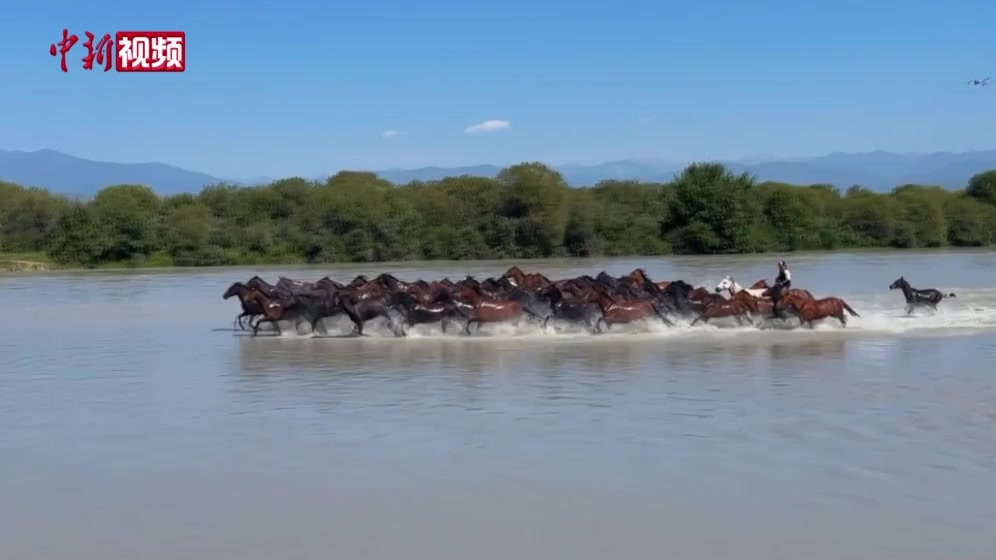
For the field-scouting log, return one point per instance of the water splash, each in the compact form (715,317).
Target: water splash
(880,314)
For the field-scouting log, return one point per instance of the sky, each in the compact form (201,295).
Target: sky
(310,87)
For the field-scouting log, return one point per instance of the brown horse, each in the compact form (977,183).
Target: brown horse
(810,310)
(770,292)
(523,281)
(622,312)
(762,283)
(705,297)
(757,306)
(733,308)
(491,309)
(274,310)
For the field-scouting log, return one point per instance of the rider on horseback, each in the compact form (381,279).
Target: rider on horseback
(782,283)
(784,278)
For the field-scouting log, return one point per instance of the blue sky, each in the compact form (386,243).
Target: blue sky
(313,86)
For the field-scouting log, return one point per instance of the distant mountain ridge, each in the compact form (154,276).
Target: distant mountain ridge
(878,170)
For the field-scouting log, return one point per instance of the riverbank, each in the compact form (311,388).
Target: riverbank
(25,262)
(40,263)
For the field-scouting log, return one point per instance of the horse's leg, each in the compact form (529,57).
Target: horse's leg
(530,314)
(466,327)
(598,324)
(255,328)
(749,320)
(843,319)
(662,317)
(390,322)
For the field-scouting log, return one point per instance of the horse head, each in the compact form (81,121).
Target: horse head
(639,275)
(514,273)
(234,289)
(898,283)
(726,284)
(760,284)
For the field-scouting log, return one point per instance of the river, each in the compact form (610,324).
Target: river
(135,423)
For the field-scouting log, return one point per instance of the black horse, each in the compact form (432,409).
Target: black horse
(928,297)
(575,311)
(362,310)
(417,313)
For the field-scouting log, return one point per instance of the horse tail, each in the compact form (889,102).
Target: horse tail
(848,308)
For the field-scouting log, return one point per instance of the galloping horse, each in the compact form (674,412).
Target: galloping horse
(762,283)
(250,307)
(730,284)
(492,310)
(519,279)
(360,310)
(810,310)
(620,312)
(417,312)
(274,310)
(927,297)
(736,309)
(574,310)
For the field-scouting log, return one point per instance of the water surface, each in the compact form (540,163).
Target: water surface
(137,424)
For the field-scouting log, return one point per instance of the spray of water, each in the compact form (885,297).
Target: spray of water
(880,314)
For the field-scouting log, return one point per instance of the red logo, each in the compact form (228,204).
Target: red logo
(151,51)
(133,51)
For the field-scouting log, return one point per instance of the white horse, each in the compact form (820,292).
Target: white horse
(730,284)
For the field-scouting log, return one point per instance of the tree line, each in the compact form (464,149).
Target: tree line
(526,211)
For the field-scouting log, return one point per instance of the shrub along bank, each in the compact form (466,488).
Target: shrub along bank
(527,211)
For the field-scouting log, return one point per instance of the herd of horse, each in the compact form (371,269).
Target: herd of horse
(594,302)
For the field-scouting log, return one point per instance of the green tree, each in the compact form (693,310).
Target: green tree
(128,214)
(535,197)
(982,187)
(526,211)
(715,211)
(968,223)
(79,238)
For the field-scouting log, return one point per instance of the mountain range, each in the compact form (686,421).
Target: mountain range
(878,170)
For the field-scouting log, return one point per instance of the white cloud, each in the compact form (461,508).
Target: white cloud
(488,126)
(389,134)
